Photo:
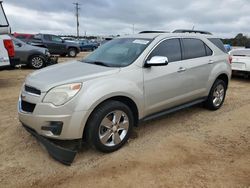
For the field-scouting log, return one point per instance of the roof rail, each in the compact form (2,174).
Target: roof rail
(142,32)
(191,31)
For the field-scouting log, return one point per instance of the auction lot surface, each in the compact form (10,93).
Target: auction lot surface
(191,148)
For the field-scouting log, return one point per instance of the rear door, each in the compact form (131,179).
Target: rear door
(198,62)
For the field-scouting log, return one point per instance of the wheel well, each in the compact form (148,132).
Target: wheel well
(71,47)
(223,77)
(126,100)
(34,55)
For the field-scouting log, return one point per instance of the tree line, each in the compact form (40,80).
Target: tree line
(239,40)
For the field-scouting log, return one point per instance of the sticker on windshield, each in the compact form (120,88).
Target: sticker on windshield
(137,41)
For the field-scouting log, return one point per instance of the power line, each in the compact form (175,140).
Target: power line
(77,18)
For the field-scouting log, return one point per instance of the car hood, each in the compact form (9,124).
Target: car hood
(65,73)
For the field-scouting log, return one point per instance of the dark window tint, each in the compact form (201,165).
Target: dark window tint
(193,48)
(169,48)
(47,37)
(208,50)
(217,42)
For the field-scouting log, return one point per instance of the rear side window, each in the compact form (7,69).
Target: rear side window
(217,42)
(47,37)
(170,48)
(38,37)
(193,48)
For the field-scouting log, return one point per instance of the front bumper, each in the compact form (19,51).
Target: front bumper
(59,151)
(45,115)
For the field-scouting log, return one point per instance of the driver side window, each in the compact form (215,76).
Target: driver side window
(170,48)
(56,39)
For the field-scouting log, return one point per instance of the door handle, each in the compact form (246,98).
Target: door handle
(181,69)
(211,61)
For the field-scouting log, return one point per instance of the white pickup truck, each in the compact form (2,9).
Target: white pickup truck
(6,45)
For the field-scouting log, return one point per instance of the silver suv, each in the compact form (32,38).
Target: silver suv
(129,79)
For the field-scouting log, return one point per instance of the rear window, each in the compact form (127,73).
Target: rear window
(38,37)
(3,19)
(217,42)
(193,48)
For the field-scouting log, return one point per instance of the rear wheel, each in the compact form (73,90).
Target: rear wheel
(216,96)
(72,52)
(109,126)
(36,62)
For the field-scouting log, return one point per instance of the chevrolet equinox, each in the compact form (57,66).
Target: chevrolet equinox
(129,79)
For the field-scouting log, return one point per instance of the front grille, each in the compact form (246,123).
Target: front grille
(32,90)
(27,107)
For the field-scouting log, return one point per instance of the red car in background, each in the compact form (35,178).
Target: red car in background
(23,36)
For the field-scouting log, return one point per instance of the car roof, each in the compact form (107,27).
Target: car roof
(166,35)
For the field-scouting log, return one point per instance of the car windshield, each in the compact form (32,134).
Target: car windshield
(118,52)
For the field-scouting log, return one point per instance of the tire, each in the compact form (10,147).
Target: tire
(72,52)
(36,62)
(104,132)
(217,95)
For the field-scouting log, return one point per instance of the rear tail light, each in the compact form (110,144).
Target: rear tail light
(8,44)
(230,59)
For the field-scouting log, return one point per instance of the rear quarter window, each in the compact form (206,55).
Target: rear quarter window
(217,42)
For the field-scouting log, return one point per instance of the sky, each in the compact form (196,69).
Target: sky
(225,18)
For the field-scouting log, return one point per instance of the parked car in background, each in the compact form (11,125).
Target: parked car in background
(56,45)
(24,37)
(228,47)
(87,45)
(129,79)
(6,45)
(241,61)
(35,57)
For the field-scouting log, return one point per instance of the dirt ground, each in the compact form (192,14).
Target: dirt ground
(191,148)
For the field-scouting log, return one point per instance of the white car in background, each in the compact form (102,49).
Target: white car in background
(6,45)
(241,61)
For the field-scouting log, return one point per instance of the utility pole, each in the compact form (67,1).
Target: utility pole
(77,18)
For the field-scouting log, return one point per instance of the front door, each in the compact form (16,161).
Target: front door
(164,85)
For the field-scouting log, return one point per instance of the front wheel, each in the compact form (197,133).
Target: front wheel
(109,126)
(216,96)
(36,62)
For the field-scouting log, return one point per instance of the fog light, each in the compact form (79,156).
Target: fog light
(55,127)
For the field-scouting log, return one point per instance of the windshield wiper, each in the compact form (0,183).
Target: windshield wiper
(97,63)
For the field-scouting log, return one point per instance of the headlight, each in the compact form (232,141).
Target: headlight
(47,53)
(62,94)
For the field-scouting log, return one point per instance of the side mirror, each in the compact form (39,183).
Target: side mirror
(157,61)
(63,41)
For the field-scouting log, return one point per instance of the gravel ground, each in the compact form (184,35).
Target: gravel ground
(191,148)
